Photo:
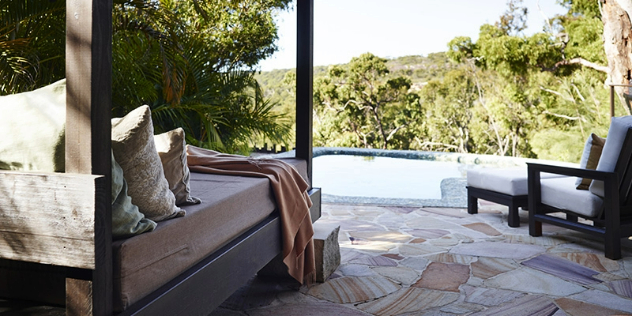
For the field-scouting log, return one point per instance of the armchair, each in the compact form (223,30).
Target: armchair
(608,203)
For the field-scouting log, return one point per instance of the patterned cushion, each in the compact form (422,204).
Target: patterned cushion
(127,220)
(590,158)
(134,149)
(172,150)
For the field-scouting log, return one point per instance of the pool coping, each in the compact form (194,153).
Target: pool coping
(453,192)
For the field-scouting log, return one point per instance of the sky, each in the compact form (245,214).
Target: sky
(344,29)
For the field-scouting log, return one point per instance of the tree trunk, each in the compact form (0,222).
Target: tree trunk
(617,34)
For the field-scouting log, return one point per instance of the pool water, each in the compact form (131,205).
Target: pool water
(382,177)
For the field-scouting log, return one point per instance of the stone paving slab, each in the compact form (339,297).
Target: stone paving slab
(605,299)
(533,281)
(563,269)
(408,300)
(313,309)
(498,250)
(486,267)
(489,296)
(401,275)
(577,308)
(525,306)
(444,276)
(354,289)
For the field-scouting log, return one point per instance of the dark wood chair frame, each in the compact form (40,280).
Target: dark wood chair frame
(514,202)
(615,219)
(72,265)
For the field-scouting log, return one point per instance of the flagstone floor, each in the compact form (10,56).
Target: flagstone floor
(443,261)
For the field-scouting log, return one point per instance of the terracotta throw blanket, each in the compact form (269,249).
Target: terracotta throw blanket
(292,200)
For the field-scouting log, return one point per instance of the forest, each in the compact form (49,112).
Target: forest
(508,94)
(195,63)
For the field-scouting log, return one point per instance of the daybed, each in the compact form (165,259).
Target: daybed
(239,215)
(56,233)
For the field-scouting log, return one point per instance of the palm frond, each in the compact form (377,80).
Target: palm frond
(32,43)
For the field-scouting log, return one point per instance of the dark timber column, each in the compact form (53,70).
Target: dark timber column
(304,80)
(88,128)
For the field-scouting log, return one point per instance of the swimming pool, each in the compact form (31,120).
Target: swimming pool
(383,177)
(404,178)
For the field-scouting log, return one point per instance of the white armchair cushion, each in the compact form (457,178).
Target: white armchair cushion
(561,193)
(610,154)
(510,181)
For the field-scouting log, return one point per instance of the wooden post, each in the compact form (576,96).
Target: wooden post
(304,81)
(88,128)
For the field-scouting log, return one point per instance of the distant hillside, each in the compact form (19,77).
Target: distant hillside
(419,69)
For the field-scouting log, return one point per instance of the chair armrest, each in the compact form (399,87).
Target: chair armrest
(610,179)
(568,171)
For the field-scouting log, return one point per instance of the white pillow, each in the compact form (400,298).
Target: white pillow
(610,154)
(32,125)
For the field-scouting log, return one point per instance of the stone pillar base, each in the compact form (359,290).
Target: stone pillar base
(327,250)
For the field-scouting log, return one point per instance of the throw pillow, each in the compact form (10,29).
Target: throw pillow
(32,124)
(590,158)
(610,154)
(127,220)
(171,147)
(135,151)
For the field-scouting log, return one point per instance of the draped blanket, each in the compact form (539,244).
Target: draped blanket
(290,193)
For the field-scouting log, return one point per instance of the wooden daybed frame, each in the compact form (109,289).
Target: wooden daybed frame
(59,230)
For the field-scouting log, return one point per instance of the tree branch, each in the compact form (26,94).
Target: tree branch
(562,116)
(570,99)
(432,144)
(576,61)
(390,135)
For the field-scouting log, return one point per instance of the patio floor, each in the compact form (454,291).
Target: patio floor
(443,261)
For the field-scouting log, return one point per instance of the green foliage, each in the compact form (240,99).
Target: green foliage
(461,49)
(554,144)
(583,38)
(537,101)
(360,96)
(514,20)
(32,38)
(191,61)
(586,8)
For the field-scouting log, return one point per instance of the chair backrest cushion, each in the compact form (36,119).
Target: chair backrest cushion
(616,135)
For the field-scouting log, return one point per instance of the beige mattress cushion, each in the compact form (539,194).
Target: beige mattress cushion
(230,206)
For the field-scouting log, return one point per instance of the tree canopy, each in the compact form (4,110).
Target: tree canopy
(193,62)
